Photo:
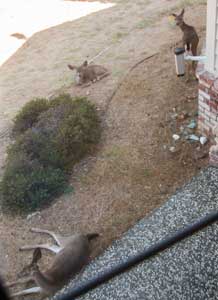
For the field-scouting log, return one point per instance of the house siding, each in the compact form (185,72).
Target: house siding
(216,40)
(212,36)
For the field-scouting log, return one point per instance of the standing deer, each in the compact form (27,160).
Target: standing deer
(72,254)
(190,37)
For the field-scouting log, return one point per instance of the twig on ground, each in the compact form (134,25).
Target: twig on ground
(127,73)
(99,54)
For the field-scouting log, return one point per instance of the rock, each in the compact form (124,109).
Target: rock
(174,116)
(193,137)
(192,124)
(172,149)
(191,97)
(30,216)
(183,116)
(203,140)
(176,137)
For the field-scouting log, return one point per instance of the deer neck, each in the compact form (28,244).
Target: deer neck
(183,26)
(42,280)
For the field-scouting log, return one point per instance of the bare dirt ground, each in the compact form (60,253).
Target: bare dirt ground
(133,171)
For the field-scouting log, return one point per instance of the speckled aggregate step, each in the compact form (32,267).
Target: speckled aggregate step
(188,270)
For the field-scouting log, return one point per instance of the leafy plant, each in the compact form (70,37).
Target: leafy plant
(27,185)
(48,145)
(29,114)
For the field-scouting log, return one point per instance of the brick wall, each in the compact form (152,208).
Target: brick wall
(207,101)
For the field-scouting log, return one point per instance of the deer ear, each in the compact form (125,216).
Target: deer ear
(174,15)
(85,64)
(72,67)
(182,12)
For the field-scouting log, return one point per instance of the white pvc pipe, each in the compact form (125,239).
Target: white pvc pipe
(195,58)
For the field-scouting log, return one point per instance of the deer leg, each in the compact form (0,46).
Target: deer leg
(86,84)
(53,248)
(55,236)
(20,281)
(194,47)
(33,290)
(103,76)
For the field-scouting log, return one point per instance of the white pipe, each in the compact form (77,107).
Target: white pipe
(195,58)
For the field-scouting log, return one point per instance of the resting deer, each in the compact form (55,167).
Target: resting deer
(89,73)
(72,254)
(190,37)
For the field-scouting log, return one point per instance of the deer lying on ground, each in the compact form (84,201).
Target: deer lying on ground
(88,73)
(190,37)
(72,254)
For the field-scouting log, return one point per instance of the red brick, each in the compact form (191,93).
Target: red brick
(214,106)
(215,85)
(203,88)
(208,78)
(201,118)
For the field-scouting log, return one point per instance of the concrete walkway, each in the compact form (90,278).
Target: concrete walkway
(188,270)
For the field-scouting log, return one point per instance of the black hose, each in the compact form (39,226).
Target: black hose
(132,261)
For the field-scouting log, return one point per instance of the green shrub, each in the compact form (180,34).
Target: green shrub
(61,99)
(79,131)
(39,159)
(38,146)
(27,185)
(29,114)
(62,135)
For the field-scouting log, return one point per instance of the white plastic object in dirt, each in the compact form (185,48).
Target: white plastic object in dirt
(176,137)
(203,140)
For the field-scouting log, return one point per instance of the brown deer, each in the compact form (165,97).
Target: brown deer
(72,254)
(88,73)
(190,37)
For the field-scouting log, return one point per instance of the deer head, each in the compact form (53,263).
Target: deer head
(179,18)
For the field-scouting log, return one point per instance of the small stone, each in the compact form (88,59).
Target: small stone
(172,149)
(193,137)
(203,140)
(30,216)
(183,116)
(192,124)
(176,137)
(174,116)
